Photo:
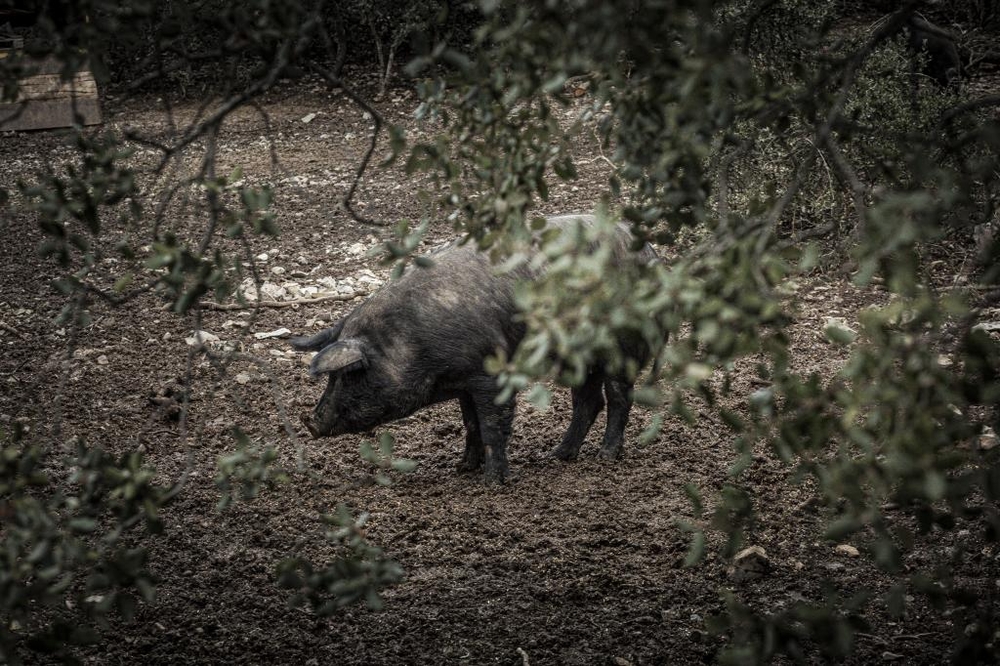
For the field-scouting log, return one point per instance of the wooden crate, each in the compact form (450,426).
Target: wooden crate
(45,101)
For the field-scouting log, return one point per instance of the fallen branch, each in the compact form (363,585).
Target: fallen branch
(211,305)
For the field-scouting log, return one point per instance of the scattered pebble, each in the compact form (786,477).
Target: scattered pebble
(988,440)
(277,333)
(750,563)
(201,338)
(847,549)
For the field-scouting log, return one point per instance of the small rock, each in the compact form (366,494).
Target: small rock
(261,257)
(277,270)
(201,338)
(356,249)
(308,118)
(891,656)
(277,333)
(987,326)
(273,291)
(621,661)
(242,378)
(988,440)
(102,360)
(847,549)
(309,292)
(306,359)
(368,277)
(750,563)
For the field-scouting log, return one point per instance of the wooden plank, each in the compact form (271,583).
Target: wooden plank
(45,101)
(9,43)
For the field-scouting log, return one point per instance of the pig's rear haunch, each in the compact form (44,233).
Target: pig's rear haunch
(423,339)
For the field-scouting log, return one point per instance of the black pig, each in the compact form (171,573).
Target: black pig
(423,338)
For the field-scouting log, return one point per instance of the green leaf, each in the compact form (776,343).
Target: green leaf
(123,283)
(842,527)
(403,465)
(83,525)
(838,334)
(697,550)
(539,396)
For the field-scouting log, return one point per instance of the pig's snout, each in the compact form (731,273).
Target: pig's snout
(307,421)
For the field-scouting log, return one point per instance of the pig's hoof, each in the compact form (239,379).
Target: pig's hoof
(469,467)
(610,452)
(564,453)
(499,475)
(504,479)
(307,422)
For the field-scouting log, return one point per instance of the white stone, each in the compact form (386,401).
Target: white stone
(242,378)
(277,333)
(201,338)
(277,270)
(273,291)
(261,257)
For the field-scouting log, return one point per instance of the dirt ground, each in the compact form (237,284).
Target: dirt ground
(571,563)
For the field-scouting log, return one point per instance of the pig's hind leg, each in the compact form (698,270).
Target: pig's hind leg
(472,459)
(619,394)
(587,404)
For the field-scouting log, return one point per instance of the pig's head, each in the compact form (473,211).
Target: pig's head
(354,399)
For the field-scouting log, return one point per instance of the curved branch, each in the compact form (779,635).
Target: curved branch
(335,81)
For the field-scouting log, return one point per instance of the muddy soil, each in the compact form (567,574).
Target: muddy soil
(570,563)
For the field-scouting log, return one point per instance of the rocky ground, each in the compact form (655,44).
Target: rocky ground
(578,563)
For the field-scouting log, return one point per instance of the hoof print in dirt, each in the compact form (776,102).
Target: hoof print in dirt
(424,339)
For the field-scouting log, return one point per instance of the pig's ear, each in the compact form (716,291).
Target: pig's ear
(318,341)
(339,357)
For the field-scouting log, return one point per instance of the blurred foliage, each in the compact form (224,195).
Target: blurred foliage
(738,133)
(759,126)
(242,473)
(360,569)
(68,559)
(358,572)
